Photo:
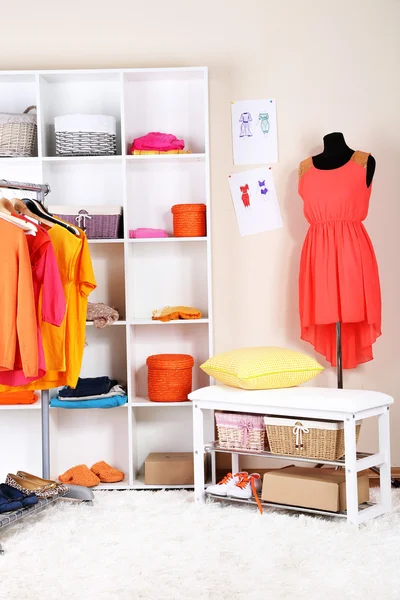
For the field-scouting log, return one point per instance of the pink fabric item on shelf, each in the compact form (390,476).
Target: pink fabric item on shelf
(144,232)
(158,141)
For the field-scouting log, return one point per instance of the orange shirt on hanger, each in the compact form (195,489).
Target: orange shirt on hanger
(18,323)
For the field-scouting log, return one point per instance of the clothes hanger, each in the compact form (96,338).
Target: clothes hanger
(39,212)
(24,210)
(7,215)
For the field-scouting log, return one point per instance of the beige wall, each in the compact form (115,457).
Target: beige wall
(330,65)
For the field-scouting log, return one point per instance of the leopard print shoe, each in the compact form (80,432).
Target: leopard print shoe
(28,487)
(62,489)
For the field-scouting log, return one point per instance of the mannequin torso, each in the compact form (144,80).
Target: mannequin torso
(337,153)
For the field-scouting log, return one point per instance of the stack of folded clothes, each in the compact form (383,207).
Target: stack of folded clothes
(158,143)
(92,392)
(20,397)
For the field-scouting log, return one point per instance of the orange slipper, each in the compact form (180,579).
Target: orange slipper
(80,475)
(106,473)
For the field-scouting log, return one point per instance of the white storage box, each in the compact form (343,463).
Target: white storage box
(319,439)
(85,135)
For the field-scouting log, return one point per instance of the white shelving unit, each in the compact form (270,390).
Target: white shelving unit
(136,276)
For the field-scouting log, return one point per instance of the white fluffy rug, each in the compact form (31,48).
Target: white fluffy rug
(161,546)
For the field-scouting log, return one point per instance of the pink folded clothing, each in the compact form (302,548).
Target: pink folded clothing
(144,232)
(158,141)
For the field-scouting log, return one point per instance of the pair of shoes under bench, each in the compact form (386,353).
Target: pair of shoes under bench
(239,485)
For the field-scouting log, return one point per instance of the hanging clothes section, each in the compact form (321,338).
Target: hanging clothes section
(47,277)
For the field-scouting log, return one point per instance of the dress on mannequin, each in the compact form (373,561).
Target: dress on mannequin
(339,280)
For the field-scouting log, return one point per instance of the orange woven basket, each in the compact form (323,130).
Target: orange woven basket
(189,220)
(169,377)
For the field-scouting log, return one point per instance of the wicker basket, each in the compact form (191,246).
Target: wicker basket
(85,135)
(189,220)
(322,440)
(18,133)
(169,377)
(241,431)
(98,222)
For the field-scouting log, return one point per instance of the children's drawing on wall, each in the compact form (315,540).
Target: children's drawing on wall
(254,132)
(245,121)
(263,189)
(263,119)
(245,195)
(255,201)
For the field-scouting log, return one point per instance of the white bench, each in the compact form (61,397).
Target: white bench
(348,406)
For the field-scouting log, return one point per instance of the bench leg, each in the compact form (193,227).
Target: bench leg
(351,470)
(198,447)
(235,463)
(385,468)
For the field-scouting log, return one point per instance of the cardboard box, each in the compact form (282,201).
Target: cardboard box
(172,468)
(322,489)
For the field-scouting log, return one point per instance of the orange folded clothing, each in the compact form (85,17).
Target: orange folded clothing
(172,313)
(80,475)
(18,398)
(107,474)
(136,152)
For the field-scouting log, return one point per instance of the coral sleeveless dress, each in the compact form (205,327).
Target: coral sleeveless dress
(339,278)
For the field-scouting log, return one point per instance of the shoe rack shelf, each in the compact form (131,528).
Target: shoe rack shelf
(135,276)
(9,518)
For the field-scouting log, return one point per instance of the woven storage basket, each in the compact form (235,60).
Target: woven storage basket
(322,440)
(241,431)
(18,133)
(85,135)
(189,220)
(169,377)
(101,222)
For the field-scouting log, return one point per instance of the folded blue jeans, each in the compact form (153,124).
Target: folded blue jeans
(89,386)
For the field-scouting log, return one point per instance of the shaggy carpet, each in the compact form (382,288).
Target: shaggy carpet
(161,546)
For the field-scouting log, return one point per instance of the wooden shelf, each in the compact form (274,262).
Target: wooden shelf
(175,322)
(91,324)
(81,159)
(106,241)
(168,240)
(166,157)
(145,402)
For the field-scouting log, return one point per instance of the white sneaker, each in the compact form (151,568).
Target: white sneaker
(225,485)
(245,486)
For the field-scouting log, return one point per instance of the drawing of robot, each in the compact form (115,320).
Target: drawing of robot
(245,120)
(263,188)
(245,195)
(263,119)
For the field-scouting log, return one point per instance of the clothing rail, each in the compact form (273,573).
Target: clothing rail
(41,190)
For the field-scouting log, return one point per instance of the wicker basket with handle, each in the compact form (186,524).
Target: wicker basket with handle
(18,133)
(322,440)
(241,431)
(189,220)
(98,222)
(169,377)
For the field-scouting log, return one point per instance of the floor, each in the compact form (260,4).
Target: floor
(161,546)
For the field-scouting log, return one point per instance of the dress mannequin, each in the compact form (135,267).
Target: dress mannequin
(339,290)
(337,153)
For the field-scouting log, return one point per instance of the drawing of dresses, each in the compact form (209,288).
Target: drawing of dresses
(245,120)
(263,188)
(263,119)
(245,195)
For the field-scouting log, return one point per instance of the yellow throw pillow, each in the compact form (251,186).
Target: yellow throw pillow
(262,368)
